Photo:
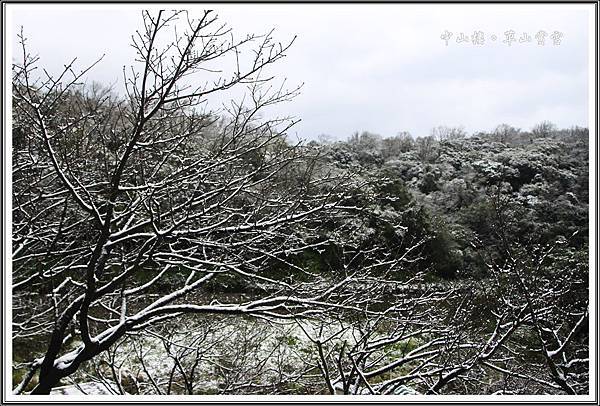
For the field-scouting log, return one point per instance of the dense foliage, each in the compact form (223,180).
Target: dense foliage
(465,195)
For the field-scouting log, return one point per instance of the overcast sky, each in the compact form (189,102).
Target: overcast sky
(381,68)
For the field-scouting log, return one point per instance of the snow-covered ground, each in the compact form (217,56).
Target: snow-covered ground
(214,355)
(86,388)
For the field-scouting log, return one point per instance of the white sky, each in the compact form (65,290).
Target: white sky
(381,68)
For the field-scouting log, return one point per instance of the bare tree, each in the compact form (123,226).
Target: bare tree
(522,330)
(444,133)
(394,146)
(114,196)
(508,339)
(544,129)
(505,132)
(428,149)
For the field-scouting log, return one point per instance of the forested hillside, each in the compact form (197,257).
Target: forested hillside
(474,197)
